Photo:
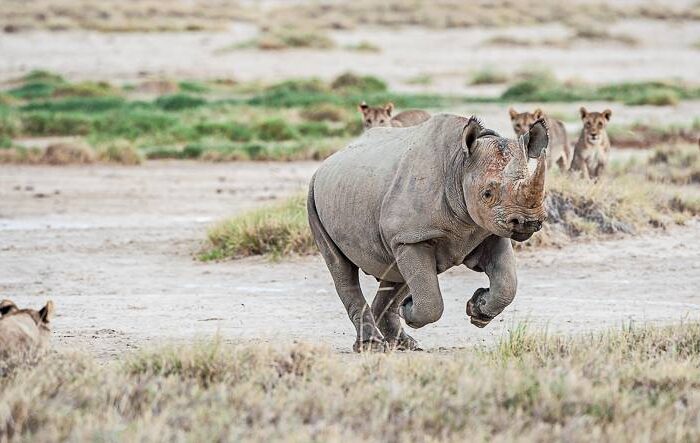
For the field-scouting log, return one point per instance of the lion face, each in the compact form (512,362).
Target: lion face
(374,117)
(523,121)
(594,124)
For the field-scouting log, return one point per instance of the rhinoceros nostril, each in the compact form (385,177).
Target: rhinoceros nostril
(515,221)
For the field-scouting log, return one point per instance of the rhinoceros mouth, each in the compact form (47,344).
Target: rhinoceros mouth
(521,236)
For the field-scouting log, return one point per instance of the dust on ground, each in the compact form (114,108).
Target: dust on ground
(113,247)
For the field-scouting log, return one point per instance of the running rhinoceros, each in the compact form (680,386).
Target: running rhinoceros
(405,204)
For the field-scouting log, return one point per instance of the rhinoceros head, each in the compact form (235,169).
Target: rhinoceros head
(501,194)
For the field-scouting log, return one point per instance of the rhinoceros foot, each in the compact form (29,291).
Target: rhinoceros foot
(477,318)
(372,344)
(404,343)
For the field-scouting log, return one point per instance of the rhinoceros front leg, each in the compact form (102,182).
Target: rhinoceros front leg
(495,258)
(385,309)
(416,263)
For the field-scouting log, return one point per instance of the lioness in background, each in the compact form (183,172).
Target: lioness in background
(381,116)
(593,146)
(559,151)
(23,330)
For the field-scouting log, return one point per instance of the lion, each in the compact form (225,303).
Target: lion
(24,330)
(381,116)
(593,147)
(559,151)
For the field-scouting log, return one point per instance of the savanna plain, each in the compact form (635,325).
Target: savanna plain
(154,158)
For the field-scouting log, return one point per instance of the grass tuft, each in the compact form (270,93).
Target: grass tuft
(277,230)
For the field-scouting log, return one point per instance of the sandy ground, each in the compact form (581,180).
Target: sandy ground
(113,247)
(449,57)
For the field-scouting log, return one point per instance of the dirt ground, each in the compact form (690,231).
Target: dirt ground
(113,247)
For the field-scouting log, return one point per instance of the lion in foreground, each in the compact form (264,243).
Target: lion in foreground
(24,330)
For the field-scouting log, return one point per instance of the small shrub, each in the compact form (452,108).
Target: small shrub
(178,102)
(275,129)
(324,112)
(314,129)
(488,76)
(350,82)
(119,151)
(364,46)
(234,131)
(39,75)
(79,104)
(277,230)
(40,123)
(85,89)
(10,123)
(133,123)
(33,90)
(193,87)
(68,153)
(656,97)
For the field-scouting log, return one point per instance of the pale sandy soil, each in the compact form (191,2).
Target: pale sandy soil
(113,247)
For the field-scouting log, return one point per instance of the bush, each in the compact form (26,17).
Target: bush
(277,230)
(234,131)
(350,82)
(178,102)
(133,123)
(488,77)
(193,87)
(85,89)
(275,129)
(79,104)
(324,112)
(656,97)
(119,151)
(10,123)
(48,123)
(314,129)
(33,90)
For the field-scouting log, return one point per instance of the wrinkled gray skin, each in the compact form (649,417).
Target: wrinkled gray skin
(406,204)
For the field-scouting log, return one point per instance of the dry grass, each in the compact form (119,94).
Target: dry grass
(634,384)
(277,230)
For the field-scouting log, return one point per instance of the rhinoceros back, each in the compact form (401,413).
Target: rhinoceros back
(348,191)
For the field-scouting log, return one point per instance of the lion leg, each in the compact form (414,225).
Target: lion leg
(385,309)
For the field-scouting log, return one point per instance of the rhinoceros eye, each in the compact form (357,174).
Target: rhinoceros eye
(488,194)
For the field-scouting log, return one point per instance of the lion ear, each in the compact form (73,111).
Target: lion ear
(389,108)
(512,112)
(7,306)
(362,107)
(583,112)
(607,114)
(46,312)
(538,114)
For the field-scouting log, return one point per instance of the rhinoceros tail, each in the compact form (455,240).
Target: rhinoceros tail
(329,250)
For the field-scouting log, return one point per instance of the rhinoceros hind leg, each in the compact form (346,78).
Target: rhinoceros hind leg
(347,284)
(385,309)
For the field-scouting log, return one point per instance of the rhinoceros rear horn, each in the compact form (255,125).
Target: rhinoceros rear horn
(470,134)
(537,139)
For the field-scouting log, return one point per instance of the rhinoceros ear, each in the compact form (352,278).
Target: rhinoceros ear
(537,139)
(470,134)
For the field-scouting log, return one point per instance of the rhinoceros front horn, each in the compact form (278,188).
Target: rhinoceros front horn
(536,141)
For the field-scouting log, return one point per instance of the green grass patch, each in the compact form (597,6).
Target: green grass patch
(488,76)
(277,230)
(179,102)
